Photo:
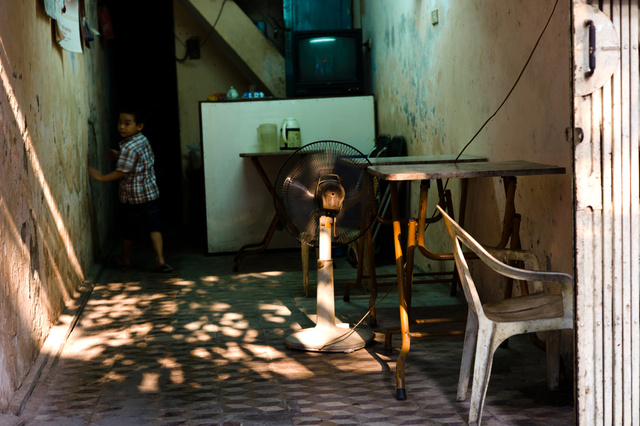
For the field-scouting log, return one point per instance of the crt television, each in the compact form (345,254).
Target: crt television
(327,62)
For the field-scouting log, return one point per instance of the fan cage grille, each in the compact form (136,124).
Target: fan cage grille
(296,184)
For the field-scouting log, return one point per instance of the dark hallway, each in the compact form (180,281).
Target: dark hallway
(142,69)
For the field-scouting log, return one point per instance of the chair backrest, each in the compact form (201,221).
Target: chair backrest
(459,235)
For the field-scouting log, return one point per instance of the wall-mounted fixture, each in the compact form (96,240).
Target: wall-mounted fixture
(193,48)
(434,17)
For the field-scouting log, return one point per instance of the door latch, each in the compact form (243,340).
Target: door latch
(574,134)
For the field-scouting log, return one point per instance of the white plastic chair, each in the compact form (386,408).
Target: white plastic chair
(490,324)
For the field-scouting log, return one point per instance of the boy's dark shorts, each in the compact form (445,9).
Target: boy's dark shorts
(135,218)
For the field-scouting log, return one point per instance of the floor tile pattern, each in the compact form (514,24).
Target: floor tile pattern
(205,346)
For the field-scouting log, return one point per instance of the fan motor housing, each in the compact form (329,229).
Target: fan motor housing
(330,193)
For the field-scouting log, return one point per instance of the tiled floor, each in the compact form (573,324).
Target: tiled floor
(205,345)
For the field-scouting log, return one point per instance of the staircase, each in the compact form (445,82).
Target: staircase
(241,41)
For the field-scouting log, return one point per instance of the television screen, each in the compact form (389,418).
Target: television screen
(327,62)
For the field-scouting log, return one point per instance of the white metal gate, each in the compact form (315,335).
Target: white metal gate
(606,136)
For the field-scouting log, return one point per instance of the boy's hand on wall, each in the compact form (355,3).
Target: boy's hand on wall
(97,175)
(94,173)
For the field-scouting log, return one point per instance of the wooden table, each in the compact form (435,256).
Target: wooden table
(434,277)
(425,159)
(395,174)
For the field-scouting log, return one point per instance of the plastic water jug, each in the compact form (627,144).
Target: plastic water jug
(268,137)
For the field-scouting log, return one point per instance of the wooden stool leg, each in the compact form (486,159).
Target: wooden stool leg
(453,288)
(373,322)
(359,272)
(553,359)
(304,249)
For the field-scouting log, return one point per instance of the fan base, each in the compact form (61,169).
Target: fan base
(330,339)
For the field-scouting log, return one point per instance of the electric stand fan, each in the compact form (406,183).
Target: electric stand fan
(325,195)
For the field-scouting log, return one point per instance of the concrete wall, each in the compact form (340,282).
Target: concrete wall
(52,124)
(438,84)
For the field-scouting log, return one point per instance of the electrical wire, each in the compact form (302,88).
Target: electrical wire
(352,330)
(526,64)
(186,55)
(214,23)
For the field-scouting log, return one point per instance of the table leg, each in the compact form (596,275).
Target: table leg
(242,253)
(373,280)
(366,242)
(262,245)
(365,245)
(359,268)
(422,224)
(464,187)
(401,393)
(404,271)
(510,183)
(263,175)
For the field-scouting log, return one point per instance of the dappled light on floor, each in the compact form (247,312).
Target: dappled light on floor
(191,349)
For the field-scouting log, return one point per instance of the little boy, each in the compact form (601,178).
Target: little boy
(138,192)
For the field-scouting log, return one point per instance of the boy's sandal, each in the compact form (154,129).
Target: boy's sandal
(165,268)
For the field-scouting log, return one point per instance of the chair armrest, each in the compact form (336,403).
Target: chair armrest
(565,281)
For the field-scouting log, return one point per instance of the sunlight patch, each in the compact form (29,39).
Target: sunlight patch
(168,363)
(198,338)
(269,317)
(210,328)
(232,332)
(259,351)
(201,353)
(150,382)
(184,282)
(220,306)
(141,329)
(176,376)
(195,325)
(267,274)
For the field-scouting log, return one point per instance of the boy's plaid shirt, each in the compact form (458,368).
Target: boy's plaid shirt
(138,185)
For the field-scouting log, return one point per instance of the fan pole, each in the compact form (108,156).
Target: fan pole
(326,336)
(326,312)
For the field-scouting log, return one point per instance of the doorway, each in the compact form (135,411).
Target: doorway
(142,68)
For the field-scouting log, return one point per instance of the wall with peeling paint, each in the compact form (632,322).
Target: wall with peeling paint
(438,84)
(52,219)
